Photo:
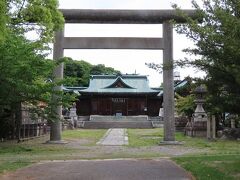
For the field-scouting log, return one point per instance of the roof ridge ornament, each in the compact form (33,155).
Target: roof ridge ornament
(119,74)
(119,83)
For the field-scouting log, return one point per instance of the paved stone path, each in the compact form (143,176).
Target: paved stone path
(114,137)
(160,169)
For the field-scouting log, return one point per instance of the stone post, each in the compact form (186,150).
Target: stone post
(209,119)
(56,126)
(233,123)
(213,127)
(168,85)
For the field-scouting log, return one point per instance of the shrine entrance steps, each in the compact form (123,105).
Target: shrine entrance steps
(114,124)
(106,122)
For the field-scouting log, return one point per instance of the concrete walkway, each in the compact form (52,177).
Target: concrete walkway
(114,137)
(160,169)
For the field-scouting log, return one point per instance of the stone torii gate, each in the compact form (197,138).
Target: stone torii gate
(123,17)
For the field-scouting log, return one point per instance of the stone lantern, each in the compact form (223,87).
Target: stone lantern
(198,124)
(200,114)
(73,115)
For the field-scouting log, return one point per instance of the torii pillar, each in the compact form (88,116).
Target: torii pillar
(168,84)
(109,16)
(56,126)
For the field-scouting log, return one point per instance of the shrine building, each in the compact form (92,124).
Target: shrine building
(118,95)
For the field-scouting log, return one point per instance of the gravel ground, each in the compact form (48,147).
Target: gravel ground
(163,150)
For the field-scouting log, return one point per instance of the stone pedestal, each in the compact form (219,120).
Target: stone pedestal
(196,129)
(57,142)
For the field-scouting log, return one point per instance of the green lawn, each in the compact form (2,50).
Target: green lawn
(93,135)
(144,137)
(218,160)
(12,166)
(15,155)
(84,133)
(215,159)
(152,137)
(212,166)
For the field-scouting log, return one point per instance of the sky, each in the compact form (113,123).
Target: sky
(127,61)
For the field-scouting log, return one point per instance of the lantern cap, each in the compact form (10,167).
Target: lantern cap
(200,89)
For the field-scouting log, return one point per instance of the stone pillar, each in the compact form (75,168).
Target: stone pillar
(209,119)
(168,85)
(56,126)
(213,127)
(233,123)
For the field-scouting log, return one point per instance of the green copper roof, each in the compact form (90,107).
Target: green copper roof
(122,84)
(119,84)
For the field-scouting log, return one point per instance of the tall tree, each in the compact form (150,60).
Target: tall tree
(3,19)
(38,16)
(23,79)
(102,69)
(78,72)
(23,68)
(217,45)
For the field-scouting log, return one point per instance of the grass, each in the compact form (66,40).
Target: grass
(212,167)
(213,159)
(93,135)
(16,155)
(12,166)
(144,137)
(152,137)
(31,147)
(216,160)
